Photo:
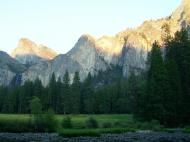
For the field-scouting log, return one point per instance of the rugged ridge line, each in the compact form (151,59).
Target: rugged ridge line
(128,49)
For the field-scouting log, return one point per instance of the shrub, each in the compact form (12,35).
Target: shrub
(91,123)
(16,126)
(120,124)
(38,123)
(42,123)
(156,126)
(152,125)
(106,125)
(67,123)
(37,116)
(50,122)
(187,130)
(45,122)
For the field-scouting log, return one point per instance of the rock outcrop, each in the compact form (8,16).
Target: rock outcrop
(28,52)
(9,68)
(44,70)
(127,49)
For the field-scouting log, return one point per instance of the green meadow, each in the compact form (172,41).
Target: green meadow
(106,123)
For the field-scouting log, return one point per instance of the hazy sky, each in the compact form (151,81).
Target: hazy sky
(59,23)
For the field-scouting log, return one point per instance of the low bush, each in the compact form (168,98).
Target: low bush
(45,122)
(50,121)
(107,125)
(42,123)
(152,125)
(121,124)
(66,122)
(14,126)
(91,123)
(156,126)
(79,132)
(187,130)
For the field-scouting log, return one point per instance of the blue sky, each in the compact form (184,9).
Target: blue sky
(59,23)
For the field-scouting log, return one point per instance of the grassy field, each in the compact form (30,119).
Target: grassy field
(114,123)
(77,120)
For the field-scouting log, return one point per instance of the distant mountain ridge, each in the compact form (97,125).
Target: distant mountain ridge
(128,49)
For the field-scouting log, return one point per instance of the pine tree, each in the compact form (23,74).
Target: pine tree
(25,95)
(133,91)
(53,93)
(173,94)
(87,93)
(66,94)
(59,96)
(3,94)
(153,108)
(38,88)
(76,95)
(178,50)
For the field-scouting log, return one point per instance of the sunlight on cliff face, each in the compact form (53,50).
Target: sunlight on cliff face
(27,47)
(109,45)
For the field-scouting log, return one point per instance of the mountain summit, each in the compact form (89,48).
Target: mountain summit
(127,49)
(28,51)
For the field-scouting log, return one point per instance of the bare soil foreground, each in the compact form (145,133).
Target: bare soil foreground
(126,137)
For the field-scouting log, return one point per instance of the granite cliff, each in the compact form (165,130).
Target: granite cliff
(127,49)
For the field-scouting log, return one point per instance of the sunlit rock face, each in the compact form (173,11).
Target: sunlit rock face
(128,48)
(28,52)
(85,53)
(182,14)
(110,48)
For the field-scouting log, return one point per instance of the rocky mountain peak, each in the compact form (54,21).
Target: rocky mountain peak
(28,47)
(26,44)
(87,37)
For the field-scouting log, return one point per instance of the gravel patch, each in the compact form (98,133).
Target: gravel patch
(126,137)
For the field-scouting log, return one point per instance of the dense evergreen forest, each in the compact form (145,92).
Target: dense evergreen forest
(162,93)
(96,94)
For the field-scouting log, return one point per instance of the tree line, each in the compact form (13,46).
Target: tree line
(96,94)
